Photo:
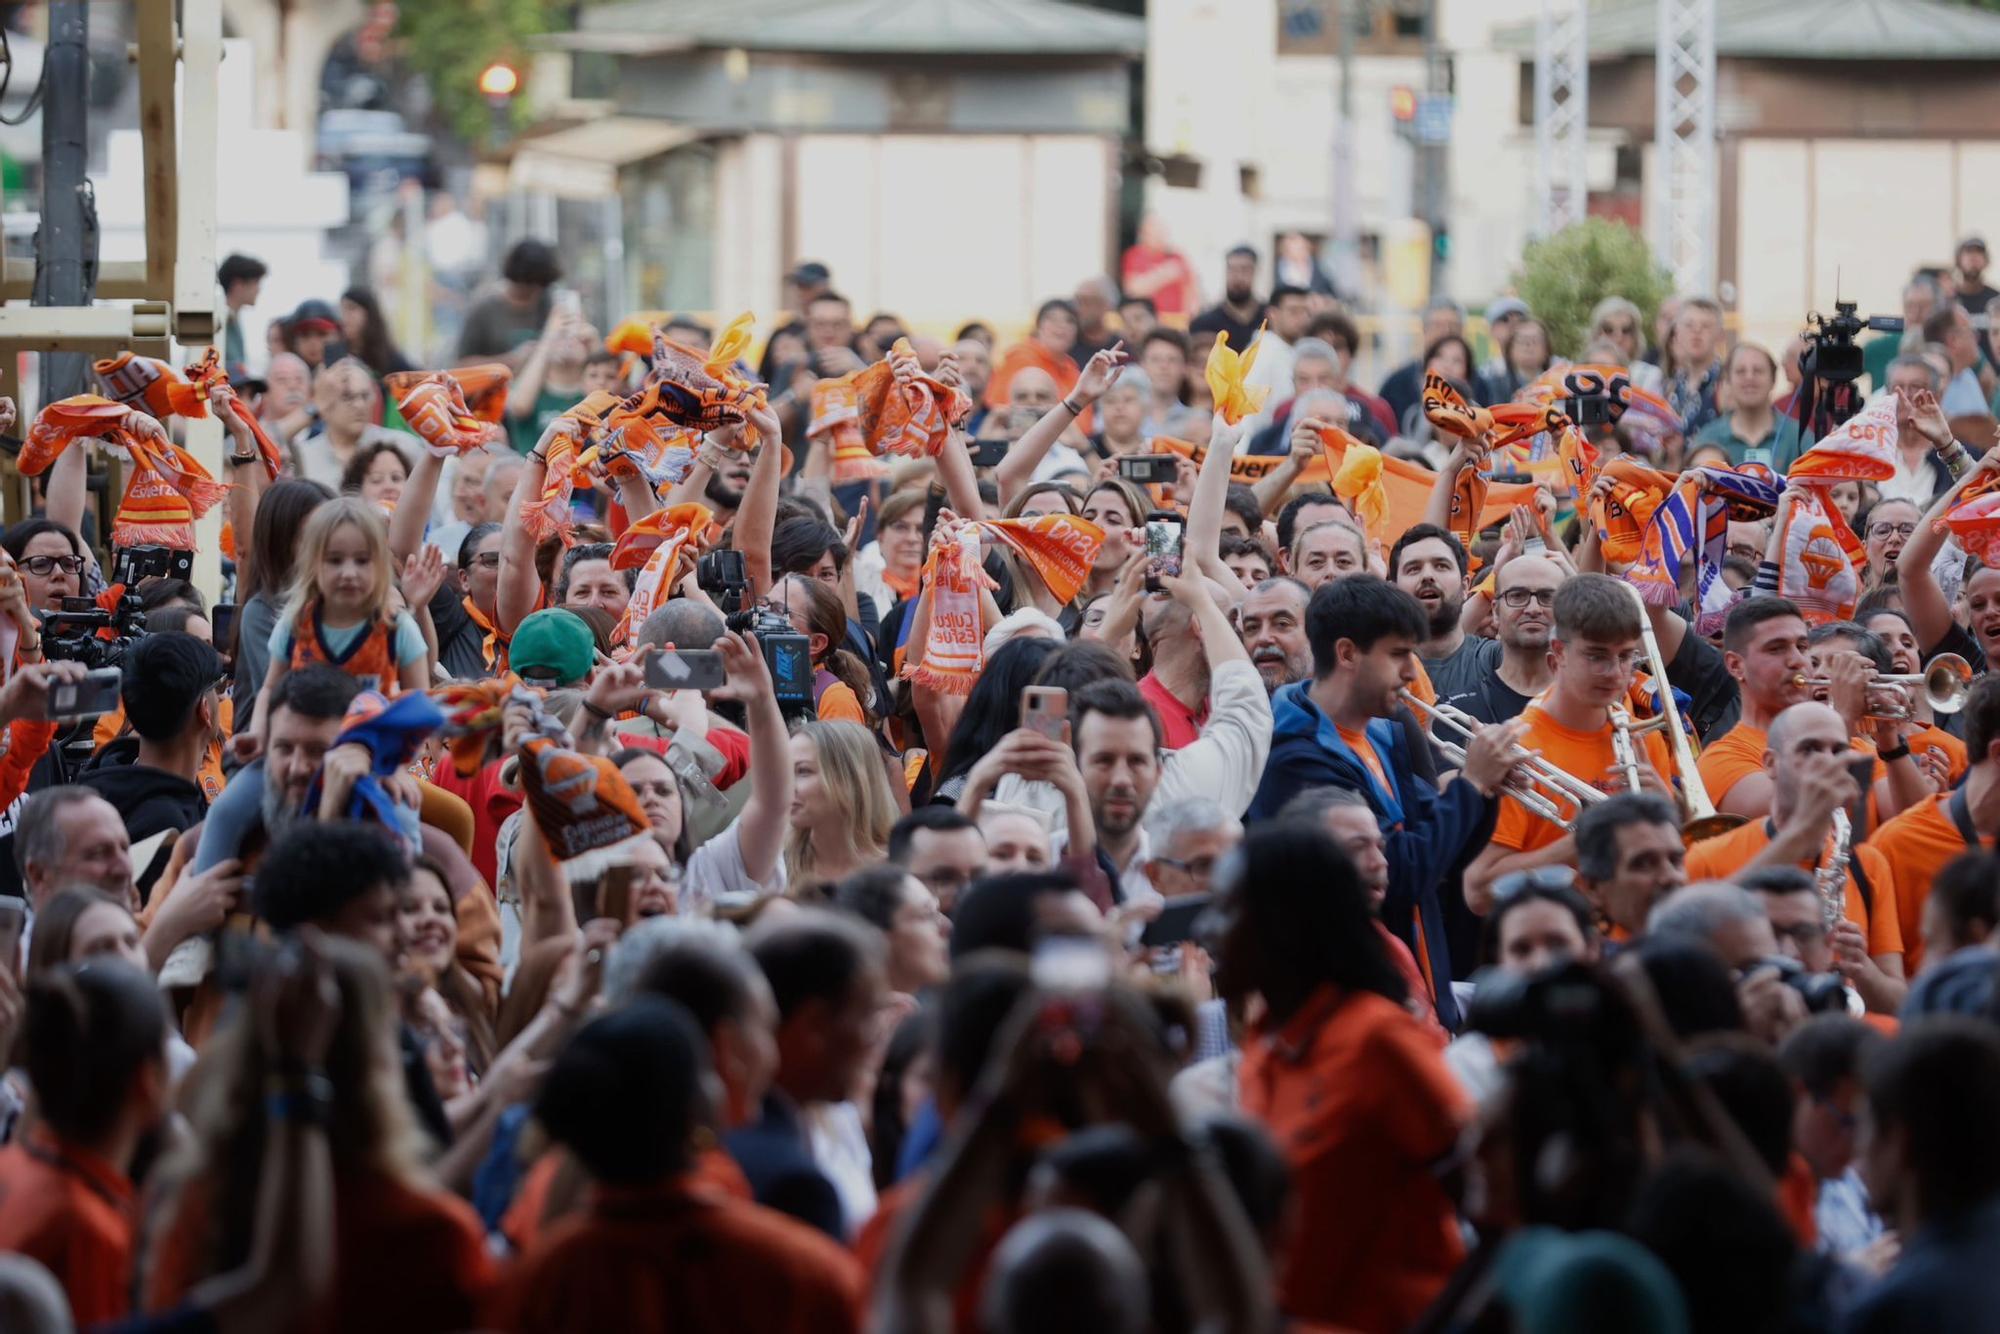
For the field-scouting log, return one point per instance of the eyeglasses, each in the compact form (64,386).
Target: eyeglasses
(44,566)
(1892,529)
(1802,933)
(1518,598)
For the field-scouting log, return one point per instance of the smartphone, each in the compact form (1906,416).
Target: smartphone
(610,895)
(13,919)
(222,626)
(685,669)
(1163,551)
(1068,965)
(988,453)
(1176,921)
(569,301)
(1045,709)
(95,694)
(1149,468)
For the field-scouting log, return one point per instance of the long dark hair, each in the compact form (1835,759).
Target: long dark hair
(1309,915)
(993,709)
(274,536)
(376,348)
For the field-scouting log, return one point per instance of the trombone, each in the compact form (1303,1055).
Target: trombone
(1567,788)
(1945,684)
(1703,821)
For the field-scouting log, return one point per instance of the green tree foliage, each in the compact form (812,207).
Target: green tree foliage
(1562,276)
(450,41)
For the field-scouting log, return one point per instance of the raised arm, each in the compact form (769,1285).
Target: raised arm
(760,829)
(1272,488)
(527,385)
(413,511)
(1205,506)
(954,465)
(1437,509)
(519,587)
(1923,600)
(757,516)
(1018,468)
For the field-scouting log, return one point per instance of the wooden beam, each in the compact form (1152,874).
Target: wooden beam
(159,51)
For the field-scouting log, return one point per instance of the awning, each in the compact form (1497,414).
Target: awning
(582,161)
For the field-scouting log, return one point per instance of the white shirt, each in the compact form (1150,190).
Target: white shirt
(1963,397)
(1224,764)
(1914,484)
(840,1149)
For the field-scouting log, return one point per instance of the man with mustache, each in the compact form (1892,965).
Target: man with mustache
(1272,621)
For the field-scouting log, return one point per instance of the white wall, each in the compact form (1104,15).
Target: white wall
(941,228)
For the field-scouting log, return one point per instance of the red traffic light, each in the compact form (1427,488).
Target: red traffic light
(1403,103)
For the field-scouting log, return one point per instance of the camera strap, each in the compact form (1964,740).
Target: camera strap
(1961,815)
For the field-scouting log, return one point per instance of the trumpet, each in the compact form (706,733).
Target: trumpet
(1703,821)
(1945,684)
(1565,789)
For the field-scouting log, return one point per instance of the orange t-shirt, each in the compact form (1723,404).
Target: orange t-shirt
(1585,755)
(1422,687)
(1364,750)
(837,704)
(411,1260)
(1917,843)
(71,1211)
(1729,759)
(1720,857)
(529,1216)
(1932,737)
(678,1256)
(1362,1104)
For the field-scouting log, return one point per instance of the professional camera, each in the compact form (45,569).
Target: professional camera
(1571,1004)
(786,652)
(722,575)
(1831,352)
(72,634)
(1823,993)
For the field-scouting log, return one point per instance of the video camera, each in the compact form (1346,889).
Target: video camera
(1831,352)
(1823,993)
(71,634)
(723,576)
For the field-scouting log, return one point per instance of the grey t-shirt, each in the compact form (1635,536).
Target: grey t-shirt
(1461,678)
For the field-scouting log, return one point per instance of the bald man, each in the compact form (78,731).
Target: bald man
(1524,617)
(1807,757)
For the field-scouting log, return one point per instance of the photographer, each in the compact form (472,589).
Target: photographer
(168,690)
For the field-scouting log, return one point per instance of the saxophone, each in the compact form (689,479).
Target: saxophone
(1831,879)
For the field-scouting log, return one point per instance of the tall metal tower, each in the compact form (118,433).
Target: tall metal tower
(1684,143)
(1562,114)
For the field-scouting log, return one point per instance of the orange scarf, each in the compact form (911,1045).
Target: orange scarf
(493,648)
(1622,516)
(437,405)
(697,390)
(168,489)
(662,546)
(954,646)
(1058,547)
(473,712)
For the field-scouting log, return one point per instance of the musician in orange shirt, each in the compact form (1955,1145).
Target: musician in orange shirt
(1808,766)
(1765,647)
(1596,648)
(1937,750)
(1923,839)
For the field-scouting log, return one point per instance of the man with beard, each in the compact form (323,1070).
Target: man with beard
(1428,563)
(1239,312)
(265,798)
(1117,741)
(1523,613)
(1272,621)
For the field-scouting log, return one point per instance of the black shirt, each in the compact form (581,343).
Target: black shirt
(1217,319)
(1699,671)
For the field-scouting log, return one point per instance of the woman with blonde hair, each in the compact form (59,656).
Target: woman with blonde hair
(409,1256)
(842,806)
(1618,322)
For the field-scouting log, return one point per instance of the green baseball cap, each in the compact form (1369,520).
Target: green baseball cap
(552,647)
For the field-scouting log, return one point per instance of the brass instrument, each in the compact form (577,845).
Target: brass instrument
(1545,791)
(1624,750)
(1703,821)
(1945,684)
(1831,879)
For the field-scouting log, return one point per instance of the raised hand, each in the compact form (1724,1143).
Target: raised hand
(1100,371)
(423,576)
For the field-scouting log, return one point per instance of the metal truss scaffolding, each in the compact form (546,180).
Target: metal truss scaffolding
(1562,114)
(1684,143)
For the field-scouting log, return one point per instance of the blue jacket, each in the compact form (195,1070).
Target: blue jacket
(777,1161)
(1429,833)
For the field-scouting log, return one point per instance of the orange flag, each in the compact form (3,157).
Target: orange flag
(1059,547)
(1622,516)
(1226,372)
(1406,487)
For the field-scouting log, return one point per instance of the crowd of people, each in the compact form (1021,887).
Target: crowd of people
(1125,829)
